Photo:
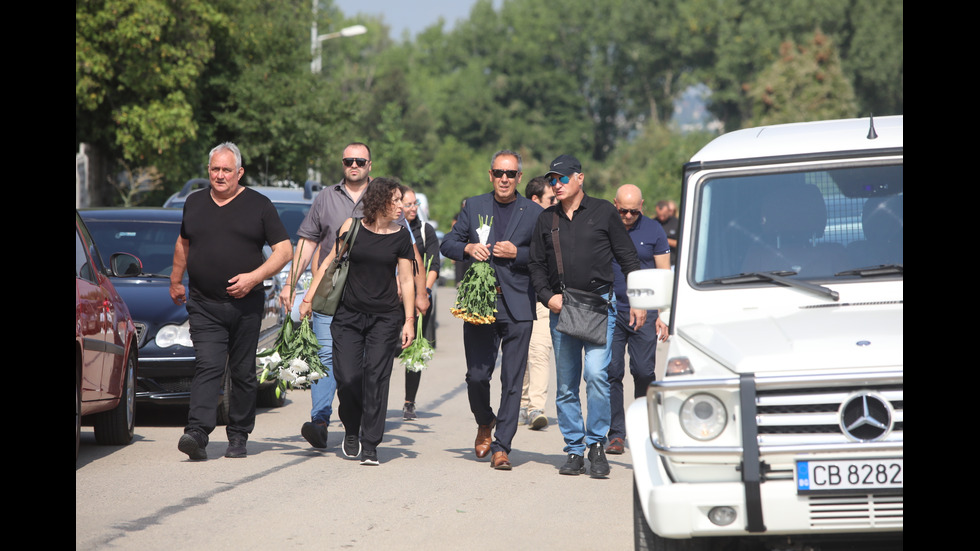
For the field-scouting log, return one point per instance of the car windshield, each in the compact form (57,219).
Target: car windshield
(815,225)
(151,241)
(292,215)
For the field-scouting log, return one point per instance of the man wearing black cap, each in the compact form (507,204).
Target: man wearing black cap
(591,236)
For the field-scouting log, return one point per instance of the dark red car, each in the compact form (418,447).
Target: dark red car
(105,345)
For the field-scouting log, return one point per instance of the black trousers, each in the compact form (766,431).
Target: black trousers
(225,334)
(364,349)
(481,343)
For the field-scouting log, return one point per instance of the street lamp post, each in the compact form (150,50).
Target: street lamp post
(317,40)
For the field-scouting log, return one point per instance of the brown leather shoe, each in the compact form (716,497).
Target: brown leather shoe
(616,446)
(500,461)
(483,439)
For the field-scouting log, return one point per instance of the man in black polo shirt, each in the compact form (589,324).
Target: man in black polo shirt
(220,247)
(591,235)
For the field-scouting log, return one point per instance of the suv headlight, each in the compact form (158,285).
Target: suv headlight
(703,417)
(173,335)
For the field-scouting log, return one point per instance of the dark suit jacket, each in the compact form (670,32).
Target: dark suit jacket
(512,273)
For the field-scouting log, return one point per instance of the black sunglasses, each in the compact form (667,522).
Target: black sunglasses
(634,212)
(350,160)
(497,173)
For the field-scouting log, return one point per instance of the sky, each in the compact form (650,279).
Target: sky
(411,15)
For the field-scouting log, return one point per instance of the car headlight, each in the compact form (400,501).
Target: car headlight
(173,335)
(703,417)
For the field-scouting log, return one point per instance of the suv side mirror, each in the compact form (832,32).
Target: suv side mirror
(651,289)
(125,265)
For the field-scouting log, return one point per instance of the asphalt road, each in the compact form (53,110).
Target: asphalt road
(430,491)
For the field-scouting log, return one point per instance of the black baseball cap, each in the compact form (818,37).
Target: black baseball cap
(566,165)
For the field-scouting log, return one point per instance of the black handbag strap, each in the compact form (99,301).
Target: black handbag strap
(349,239)
(557,244)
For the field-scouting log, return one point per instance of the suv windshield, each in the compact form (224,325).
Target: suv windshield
(819,224)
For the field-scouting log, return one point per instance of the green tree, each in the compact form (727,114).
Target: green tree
(872,55)
(264,96)
(137,69)
(652,162)
(747,34)
(456,172)
(660,45)
(397,155)
(805,84)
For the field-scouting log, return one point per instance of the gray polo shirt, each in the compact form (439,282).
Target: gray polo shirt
(331,207)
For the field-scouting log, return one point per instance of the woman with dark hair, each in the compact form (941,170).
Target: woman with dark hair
(371,316)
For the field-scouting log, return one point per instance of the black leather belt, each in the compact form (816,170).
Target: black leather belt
(603,289)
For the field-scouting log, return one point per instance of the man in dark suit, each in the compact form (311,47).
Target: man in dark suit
(507,247)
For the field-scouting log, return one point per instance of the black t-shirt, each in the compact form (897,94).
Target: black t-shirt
(226,241)
(501,218)
(371,285)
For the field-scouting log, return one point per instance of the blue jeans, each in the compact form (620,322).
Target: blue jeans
(578,432)
(322,391)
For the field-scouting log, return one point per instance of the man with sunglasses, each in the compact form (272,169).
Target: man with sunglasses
(651,245)
(512,219)
(318,232)
(591,236)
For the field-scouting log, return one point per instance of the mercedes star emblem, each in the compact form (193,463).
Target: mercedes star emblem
(866,417)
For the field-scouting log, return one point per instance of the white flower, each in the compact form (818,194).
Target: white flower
(297,365)
(484,233)
(267,361)
(287,375)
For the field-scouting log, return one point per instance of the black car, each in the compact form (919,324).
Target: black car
(165,349)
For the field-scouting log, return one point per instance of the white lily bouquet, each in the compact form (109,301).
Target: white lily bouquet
(476,299)
(295,358)
(417,355)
